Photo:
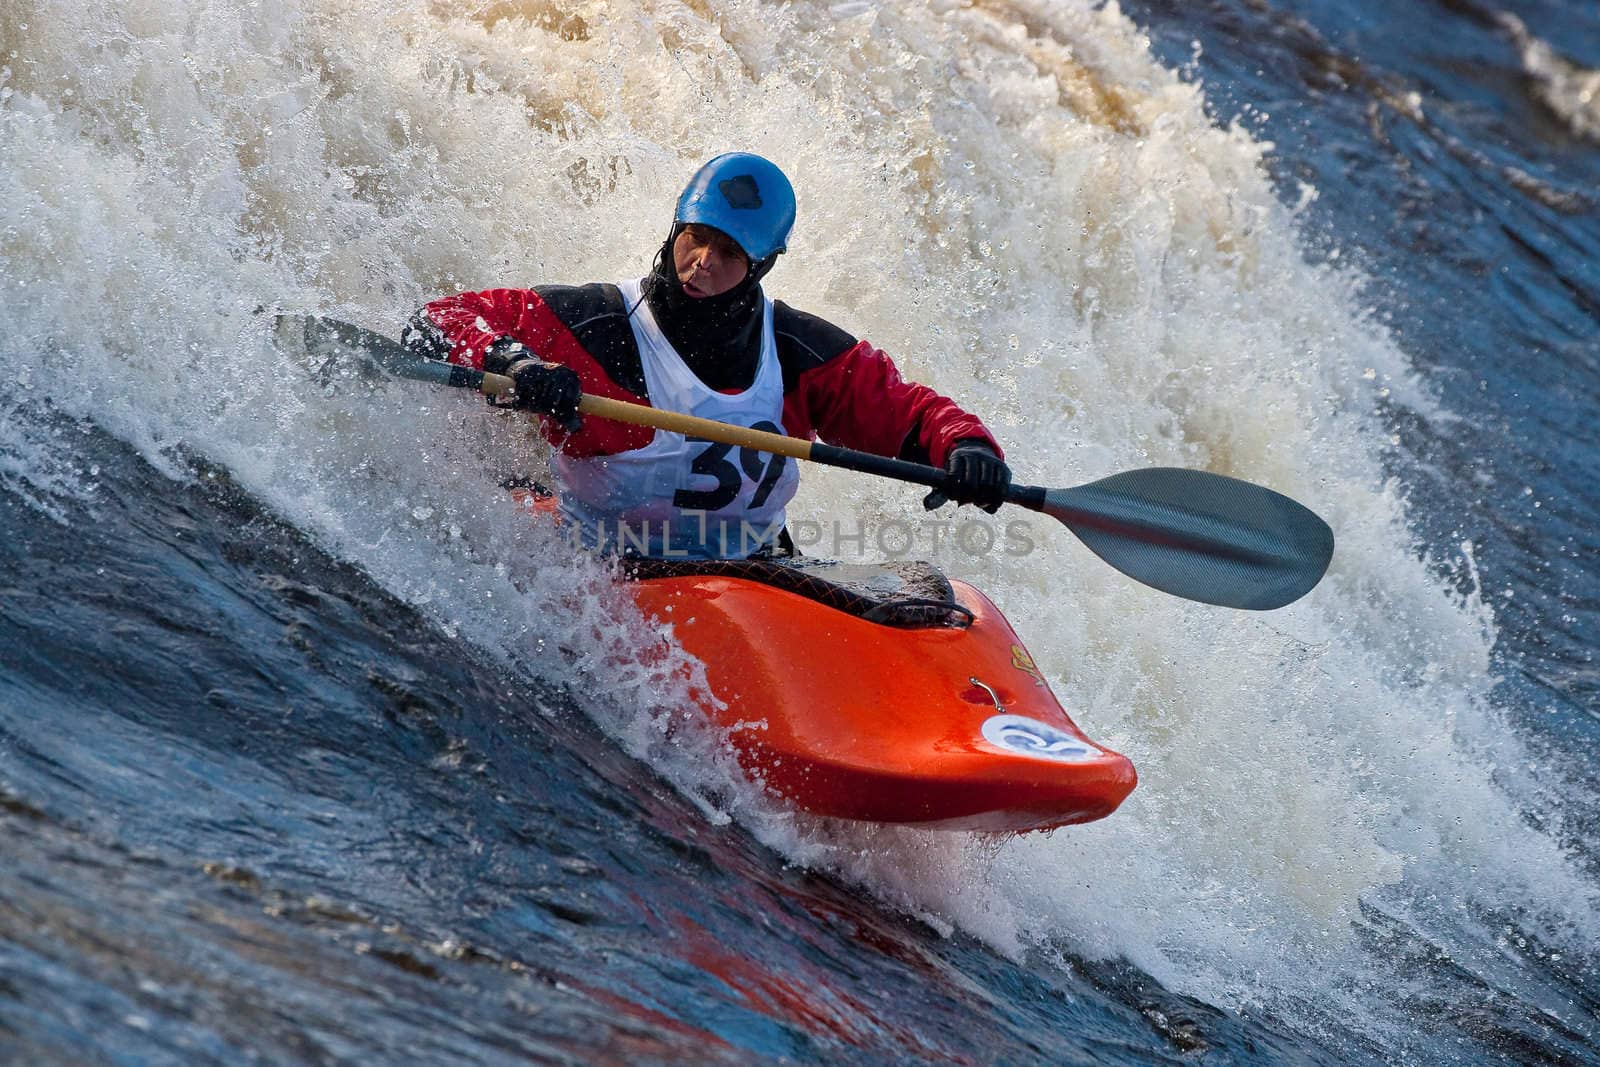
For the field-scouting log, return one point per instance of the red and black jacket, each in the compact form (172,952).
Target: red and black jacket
(834,387)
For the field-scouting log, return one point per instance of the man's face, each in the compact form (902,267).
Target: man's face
(708,261)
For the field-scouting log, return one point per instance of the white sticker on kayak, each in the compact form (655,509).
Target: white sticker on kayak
(1030,737)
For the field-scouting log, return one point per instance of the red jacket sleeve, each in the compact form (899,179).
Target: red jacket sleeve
(858,400)
(471,322)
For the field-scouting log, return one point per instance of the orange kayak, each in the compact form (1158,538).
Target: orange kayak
(887,694)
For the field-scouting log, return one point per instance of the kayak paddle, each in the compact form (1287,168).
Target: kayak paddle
(1191,533)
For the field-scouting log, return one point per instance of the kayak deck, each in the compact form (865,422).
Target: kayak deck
(945,726)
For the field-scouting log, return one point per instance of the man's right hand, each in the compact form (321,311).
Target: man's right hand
(549,389)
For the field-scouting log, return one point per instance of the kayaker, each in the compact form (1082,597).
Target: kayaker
(699,335)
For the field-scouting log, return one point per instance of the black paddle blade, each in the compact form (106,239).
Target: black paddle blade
(341,352)
(335,352)
(1199,535)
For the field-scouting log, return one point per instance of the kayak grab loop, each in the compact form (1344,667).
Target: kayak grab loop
(992,695)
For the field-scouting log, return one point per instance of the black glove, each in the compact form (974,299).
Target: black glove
(549,389)
(976,476)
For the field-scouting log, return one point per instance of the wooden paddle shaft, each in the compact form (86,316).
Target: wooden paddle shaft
(758,440)
(705,429)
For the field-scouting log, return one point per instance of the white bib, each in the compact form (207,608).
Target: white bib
(681,496)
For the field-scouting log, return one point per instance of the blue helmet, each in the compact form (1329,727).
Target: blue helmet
(744,196)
